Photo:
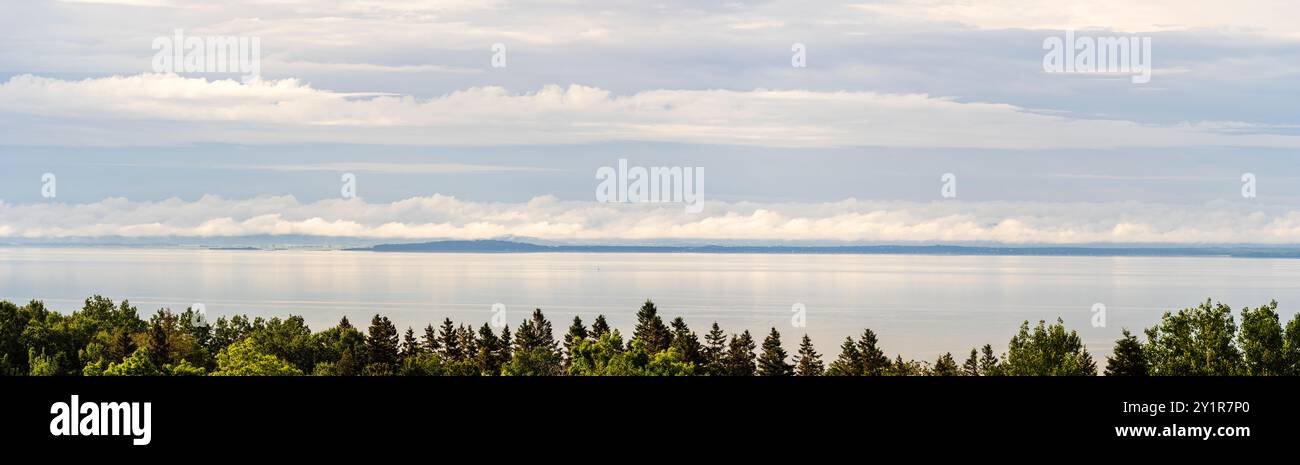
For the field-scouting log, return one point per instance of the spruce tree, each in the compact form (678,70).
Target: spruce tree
(772,361)
(849,362)
(989,364)
(972,365)
(686,343)
(740,355)
(381,343)
(1128,359)
(945,366)
(431,344)
(873,359)
(577,333)
(488,358)
(451,349)
(715,350)
(410,347)
(650,329)
(599,327)
(808,362)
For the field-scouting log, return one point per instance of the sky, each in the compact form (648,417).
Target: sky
(812,122)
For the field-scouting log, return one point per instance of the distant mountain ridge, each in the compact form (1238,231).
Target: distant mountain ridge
(500,246)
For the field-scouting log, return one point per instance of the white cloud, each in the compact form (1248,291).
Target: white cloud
(547,218)
(136,110)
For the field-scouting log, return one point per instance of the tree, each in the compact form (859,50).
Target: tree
(972,365)
(650,329)
(489,357)
(873,360)
(1291,346)
(410,347)
(1196,341)
(431,342)
(1262,343)
(945,366)
(808,362)
(772,361)
(577,332)
(715,351)
(989,364)
(243,359)
(740,355)
(599,327)
(381,344)
(850,361)
(451,349)
(686,343)
(1048,351)
(535,350)
(1129,359)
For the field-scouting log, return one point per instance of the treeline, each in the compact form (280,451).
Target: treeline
(107,339)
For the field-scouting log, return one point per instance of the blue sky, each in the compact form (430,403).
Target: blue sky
(850,148)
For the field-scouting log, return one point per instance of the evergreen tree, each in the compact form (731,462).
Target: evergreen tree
(972,365)
(507,343)
(650,329)
(808,362)
(467,341)
(686,343)
(740,355)
(488,358)
(1128,359)
(772,361)
(599,327)
(874,361)
(850,361)
(989,364)
(451,349)
(431,343)
(536,352)
(715,351)
(410,347)
(577,333)
(381,343)
(945,366)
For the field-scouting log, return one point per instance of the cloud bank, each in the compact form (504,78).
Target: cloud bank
(140,110)
(850,220)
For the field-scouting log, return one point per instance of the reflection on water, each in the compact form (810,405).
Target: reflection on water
(920,305)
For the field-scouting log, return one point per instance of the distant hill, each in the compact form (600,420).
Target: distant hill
(498,246)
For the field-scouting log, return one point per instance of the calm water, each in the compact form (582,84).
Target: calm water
(920,305)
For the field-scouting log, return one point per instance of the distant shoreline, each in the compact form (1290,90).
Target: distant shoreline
(495,246)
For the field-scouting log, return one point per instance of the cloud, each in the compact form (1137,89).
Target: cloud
(138,110)
(851,220)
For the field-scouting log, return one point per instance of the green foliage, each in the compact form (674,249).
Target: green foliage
(808,362)
(772,361)
(138,364)
(1047,351)
(108,339)
(1196,341)
(945,366)
(243,359)
(1261,341)
(650,329)
(739,360)
(1128,359)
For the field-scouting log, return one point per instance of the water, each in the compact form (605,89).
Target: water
(920,305)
